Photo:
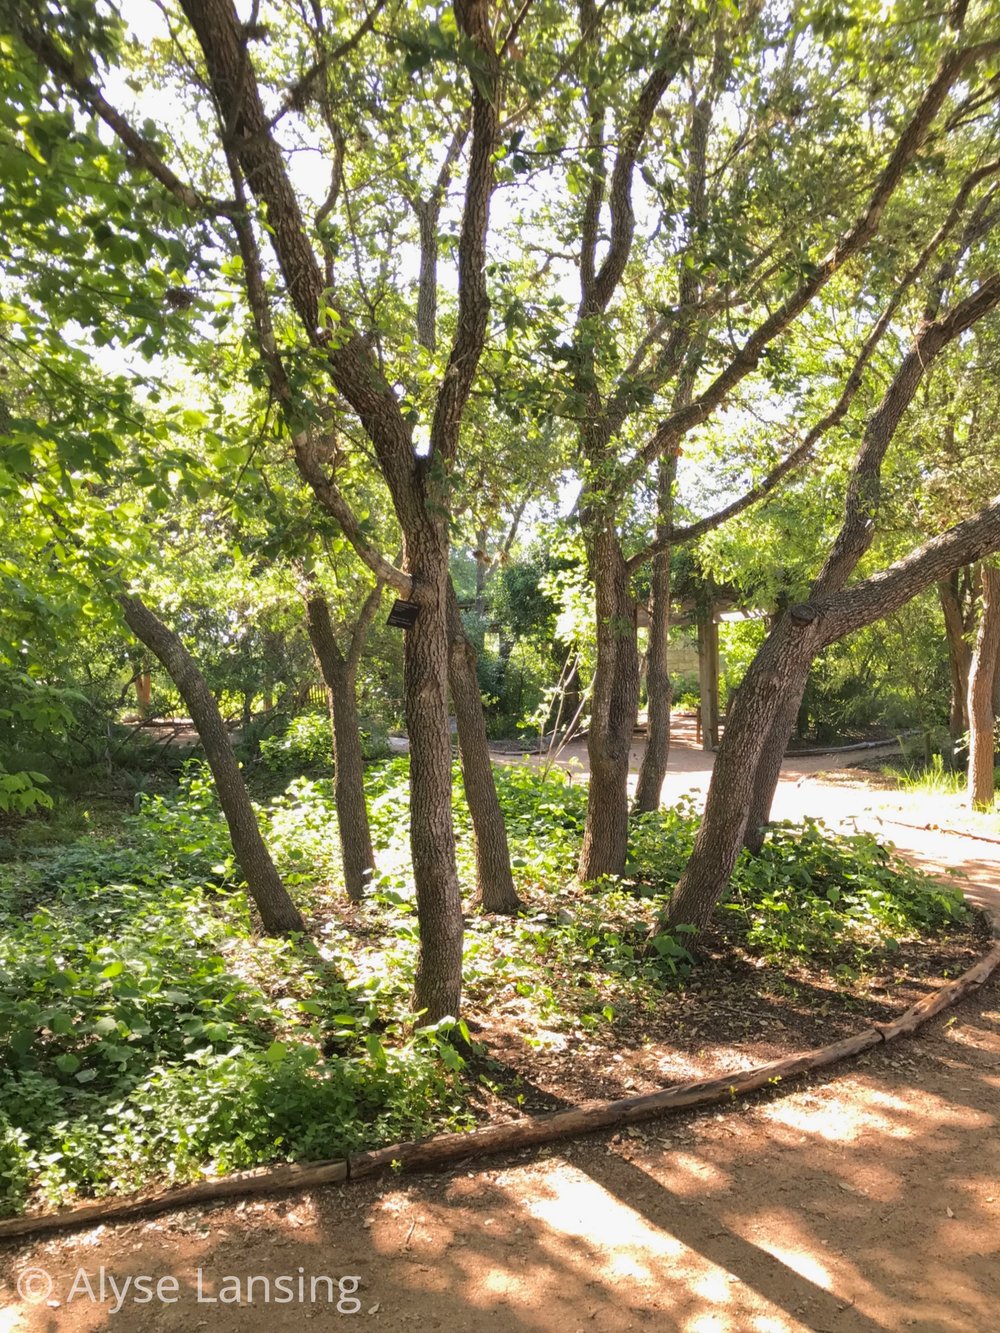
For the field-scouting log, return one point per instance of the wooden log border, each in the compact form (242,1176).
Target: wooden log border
(446,1150)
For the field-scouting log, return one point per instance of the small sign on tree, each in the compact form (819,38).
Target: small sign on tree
(403,614)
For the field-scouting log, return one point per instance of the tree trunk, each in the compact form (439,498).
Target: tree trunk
(708,677)
(981,678)
(340,676)
(614,706)
(769,763)
(438,988)
(495,883)
(782,661)
(727,807)
(959,657)
(653,770)
(277,911)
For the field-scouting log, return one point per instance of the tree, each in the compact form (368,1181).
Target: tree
(248,151)
(277,911)
(776,678)
(613,462)
(340,673)
(982,674)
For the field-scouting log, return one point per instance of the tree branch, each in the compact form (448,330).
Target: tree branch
(146,155)
(859,605)
(801,455)
(359,634)
(860,233)
(861,506)
(473,300)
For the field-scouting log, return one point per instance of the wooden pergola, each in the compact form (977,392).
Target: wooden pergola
(705,617)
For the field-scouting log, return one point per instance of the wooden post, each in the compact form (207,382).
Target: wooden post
(144,692)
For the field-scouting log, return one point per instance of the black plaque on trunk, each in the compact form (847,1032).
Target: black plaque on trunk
(403,614)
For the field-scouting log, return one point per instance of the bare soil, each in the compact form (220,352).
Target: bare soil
(866,1199)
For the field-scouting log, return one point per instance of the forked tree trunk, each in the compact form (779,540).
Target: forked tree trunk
(278,913)
(438,986)
(495,883)
(784,659)
(340,675)
(981,679)
(959,657)
(653,770)
(614,705)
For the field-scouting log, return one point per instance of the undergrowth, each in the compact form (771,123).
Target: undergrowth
(148,1031)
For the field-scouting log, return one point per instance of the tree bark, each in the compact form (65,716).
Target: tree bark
(769,763)
(340,675)
(614,706)
(798,635)
(959,657)
(144,692)
(278,913)
(438,987)
(727,808)
(653,770)
(981,678)
(495,883)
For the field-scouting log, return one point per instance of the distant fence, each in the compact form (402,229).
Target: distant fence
(316,696)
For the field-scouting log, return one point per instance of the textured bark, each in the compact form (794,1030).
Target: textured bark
(769,763)
(653,769)
(438,988)
(277,911)
(981,677)
(495,884)
(959,657)
(340,675)
(830,613)
(798,635)
(614,706)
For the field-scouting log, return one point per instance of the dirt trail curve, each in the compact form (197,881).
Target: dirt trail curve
(867,1200)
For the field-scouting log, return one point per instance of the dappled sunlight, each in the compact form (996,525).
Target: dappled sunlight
(691,1176)
(839,1121)
(795,1257)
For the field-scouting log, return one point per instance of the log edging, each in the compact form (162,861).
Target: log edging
(444,1150)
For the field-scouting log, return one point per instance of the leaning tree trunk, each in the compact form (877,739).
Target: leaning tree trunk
(340,677)
(495,883)
(781,663)
(653,770)
(277,911)
(959,658)
(438,986)
(851,543)
(772,755)
(981,678)
(614,704)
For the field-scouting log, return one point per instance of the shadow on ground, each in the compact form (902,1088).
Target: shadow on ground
(868,1201)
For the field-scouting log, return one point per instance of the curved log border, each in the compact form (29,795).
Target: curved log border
(445,1150)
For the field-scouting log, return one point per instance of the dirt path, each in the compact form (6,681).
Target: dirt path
(867,1200)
